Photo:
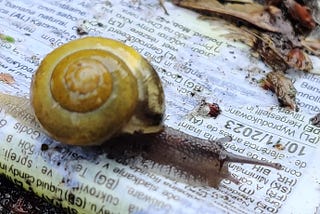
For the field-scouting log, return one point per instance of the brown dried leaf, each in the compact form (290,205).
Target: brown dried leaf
(262,45)
(267,18)
(278,52)
(283,87)
(297,59)
(300,14)
(279,45)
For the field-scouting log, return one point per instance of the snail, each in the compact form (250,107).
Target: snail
(94,90)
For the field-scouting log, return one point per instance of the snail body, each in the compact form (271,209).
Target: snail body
(179,156)
(91,89)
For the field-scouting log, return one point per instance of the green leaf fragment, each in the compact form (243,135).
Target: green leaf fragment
(7,38)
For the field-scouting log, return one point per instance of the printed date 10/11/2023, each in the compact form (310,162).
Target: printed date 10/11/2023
(260,136)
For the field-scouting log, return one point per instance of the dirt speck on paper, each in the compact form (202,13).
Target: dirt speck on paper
(279,146)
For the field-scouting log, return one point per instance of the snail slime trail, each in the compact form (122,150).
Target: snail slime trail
(179,156)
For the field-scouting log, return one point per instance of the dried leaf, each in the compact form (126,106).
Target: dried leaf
(275,30)
(253,13)
(283,87)
(276,51)
(300,13)
(296,58)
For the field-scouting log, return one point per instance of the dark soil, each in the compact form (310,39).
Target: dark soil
(14,199)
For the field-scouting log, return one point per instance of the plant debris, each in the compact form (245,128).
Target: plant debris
(207,109)
(315,120)
(82,28)
(214,110)
(161,2)
(281,33)
(283,87)
(7,38)
(279,146)
(6,78)
(287,22)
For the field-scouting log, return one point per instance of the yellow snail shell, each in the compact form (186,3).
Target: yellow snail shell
(90,89)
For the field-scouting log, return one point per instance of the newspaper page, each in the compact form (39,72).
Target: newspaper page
(196,64)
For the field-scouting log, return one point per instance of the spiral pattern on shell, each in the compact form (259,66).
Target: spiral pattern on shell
(90,89)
